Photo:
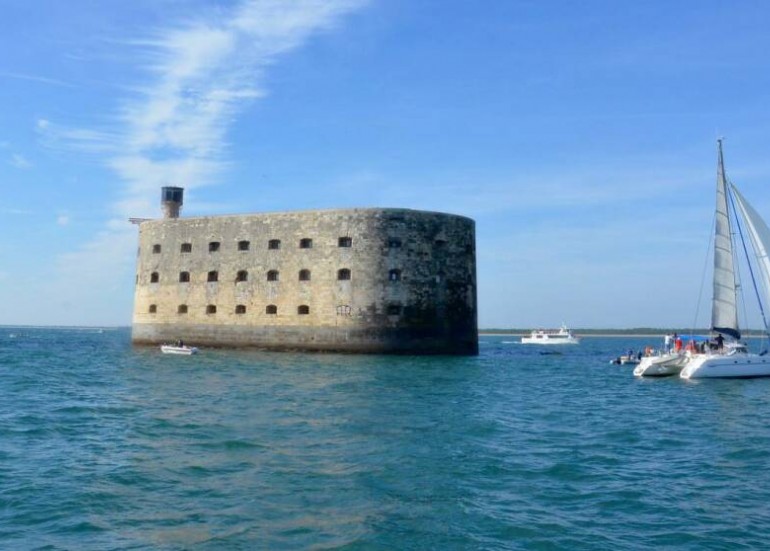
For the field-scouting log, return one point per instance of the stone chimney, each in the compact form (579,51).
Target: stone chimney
(171,199)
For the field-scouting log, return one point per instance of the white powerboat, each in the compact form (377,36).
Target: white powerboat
(670,359)
(661,365)
(177,349)
(735,219)
(551,336)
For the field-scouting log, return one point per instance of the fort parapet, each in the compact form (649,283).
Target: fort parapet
(352,280)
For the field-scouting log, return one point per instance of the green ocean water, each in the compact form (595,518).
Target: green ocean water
(104,446)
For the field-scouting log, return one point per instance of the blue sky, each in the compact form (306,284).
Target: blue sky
(579,135)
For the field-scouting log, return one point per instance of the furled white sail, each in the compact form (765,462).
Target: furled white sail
(759,233)
(724,314)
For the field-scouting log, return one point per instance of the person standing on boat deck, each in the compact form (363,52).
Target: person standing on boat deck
(677,343)
(667,342)
(720,342)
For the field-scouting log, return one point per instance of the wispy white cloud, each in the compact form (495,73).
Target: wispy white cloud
(5,210)
(19,161)
(63,220)
(35,78)
(172,128)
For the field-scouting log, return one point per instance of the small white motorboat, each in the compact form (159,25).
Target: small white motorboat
(626,359)
(175,349)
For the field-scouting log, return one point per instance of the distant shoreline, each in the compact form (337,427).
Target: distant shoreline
(577,334)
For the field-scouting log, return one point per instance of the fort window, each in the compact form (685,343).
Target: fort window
(243,245)
(242,275)
(211,309)
(394,243)
(184,277)
(306,243)
(440,243)
(213,276)
(304,275)
(394,275)
(154,277)
(186,248)
(274,244)
(394,309)
(345,242)
(303,310)
(272,275)
(343,274)
(271,309)
(181,309)
(240,309)
(156,249)
(213,246)
(153,308)
(344,310)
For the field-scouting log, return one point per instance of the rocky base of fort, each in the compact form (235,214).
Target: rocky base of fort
(311,339)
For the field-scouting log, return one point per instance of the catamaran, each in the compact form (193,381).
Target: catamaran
(735,217)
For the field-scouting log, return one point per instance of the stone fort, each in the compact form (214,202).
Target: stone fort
(371,280)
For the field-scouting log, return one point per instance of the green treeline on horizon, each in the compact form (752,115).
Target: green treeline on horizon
(632,331)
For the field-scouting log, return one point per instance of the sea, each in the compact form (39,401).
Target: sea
(105,446)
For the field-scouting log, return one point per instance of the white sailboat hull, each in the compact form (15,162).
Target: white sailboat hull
(664,365)
(730,366)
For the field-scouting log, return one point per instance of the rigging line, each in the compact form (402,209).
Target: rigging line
(748,262)
(703,272)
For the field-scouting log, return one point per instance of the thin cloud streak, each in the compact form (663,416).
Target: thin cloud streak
(35,78)
(18,161)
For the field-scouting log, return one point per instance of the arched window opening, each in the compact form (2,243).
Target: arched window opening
(156,249)
(243,245)
(153,308)
(184,277)
(213,276)
(303,310)
(154,277)
(345,242)
(240,309)
(306,243)
(186,248)
(211,309)
(271,309)
(274,244)
(213,246)
(272,275)
(343,274)
(242,275)
(181,309)
(304,275)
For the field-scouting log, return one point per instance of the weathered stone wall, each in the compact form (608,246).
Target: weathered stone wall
(411,289)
